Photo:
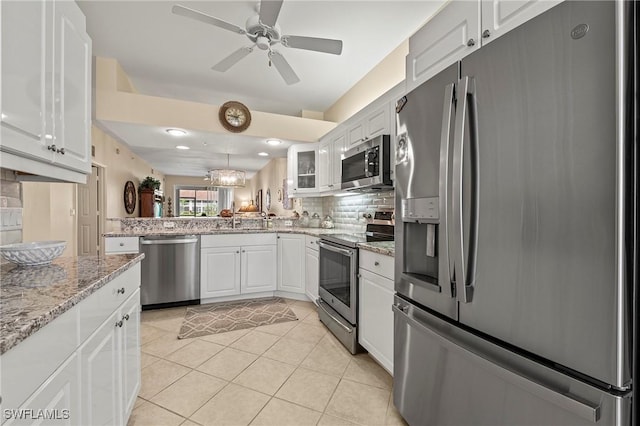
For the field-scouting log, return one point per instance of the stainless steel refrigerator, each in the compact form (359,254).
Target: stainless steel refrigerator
(515,252)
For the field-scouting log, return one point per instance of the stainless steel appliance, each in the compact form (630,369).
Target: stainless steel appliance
(338,278)
(368,165)
(515,253)
(170,271)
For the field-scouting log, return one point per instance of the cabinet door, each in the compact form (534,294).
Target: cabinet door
(305,165)
(130,353)
(72,107)
(448,37)
(100,375)
(258,269)
(325,165)
(291,272)
(220,272)
(26,28)
(312,263)
(377,123)
(339,143)
(501,16)
(375,317)
(356,134)
(59,395)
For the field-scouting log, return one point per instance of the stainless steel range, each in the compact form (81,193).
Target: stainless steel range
(338,302)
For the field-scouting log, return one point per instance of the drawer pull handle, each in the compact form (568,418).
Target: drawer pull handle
(121,244)
(125,317)
(376,263)
(119,323)
(121,290)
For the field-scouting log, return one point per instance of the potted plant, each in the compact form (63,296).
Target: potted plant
(146,190)
(149,184)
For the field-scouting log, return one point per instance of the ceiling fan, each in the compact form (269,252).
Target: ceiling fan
(263,31)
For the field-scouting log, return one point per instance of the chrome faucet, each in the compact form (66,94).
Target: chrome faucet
(233,216)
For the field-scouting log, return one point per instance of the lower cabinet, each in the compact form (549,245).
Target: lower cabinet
(110,366)
(312,261)
(231,265)
(88,374)
(291,263)
(375,317)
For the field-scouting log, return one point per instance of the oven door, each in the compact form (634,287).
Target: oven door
(338,279)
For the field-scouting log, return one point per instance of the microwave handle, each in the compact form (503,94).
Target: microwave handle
(367,172)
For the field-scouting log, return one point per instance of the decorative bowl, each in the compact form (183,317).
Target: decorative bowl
(32,254)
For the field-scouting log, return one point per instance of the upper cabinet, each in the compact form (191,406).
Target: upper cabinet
(375,123)
(462,27)
(501,16)
(303,169)
(46,90)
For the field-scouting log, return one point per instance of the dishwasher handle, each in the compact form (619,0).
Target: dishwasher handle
(174,241)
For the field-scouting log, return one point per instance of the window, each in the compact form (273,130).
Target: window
(198,202)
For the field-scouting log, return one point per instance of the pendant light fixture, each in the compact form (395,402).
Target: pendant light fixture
(227,178)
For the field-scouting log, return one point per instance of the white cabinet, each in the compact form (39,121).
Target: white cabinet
(231,265)
(60,394)
(501,16)
(375,299)
(258,269)
(219,272)
(312,264)
(291,263)
(303,163)
(325,165)
(121,245)
(86,361)
(46,90)
(375,122)
(110,366)
(462,27)
(339,144)
(446,38)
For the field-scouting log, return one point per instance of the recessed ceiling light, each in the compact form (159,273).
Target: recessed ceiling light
(263,154)
(274,141)
(182,147)
(176,132)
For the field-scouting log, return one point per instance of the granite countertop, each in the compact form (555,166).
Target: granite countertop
(31,297)
(293,230)
(382,247)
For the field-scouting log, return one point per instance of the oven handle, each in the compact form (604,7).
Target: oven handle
(336,320)
(346,252)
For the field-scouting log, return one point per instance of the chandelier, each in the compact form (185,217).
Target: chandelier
(227,178)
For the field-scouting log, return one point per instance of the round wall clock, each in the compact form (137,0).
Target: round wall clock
(129,197)
(234,116)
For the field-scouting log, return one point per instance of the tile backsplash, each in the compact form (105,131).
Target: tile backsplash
(347,211)
(10,208)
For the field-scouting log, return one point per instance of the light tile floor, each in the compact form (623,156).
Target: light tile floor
(293,373)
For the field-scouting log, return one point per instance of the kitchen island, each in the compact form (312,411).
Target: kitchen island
(70,339)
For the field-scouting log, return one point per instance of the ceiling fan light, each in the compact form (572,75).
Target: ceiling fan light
(263,42)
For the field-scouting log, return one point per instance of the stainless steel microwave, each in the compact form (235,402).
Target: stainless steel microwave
(368,165)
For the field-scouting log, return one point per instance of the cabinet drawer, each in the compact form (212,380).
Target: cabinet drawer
(377,263)
(228,240)
(121,244)
(312,242)
(95,309)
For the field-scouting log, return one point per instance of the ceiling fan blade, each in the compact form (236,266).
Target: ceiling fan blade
(283,67)
(232,59)
(325,45)
(207,19)
(269,11)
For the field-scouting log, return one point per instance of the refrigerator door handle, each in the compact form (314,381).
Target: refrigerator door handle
(559,397)
(464,269)
(446,265)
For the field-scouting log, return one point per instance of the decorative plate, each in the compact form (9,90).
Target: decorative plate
(129,197)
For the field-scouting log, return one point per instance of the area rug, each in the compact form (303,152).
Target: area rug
(228,316)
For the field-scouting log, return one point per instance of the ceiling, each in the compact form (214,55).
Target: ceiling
(171,56)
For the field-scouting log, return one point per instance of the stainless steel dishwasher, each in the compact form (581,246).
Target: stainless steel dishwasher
(170,271)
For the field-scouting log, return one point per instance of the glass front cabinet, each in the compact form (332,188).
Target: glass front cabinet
(303,169)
